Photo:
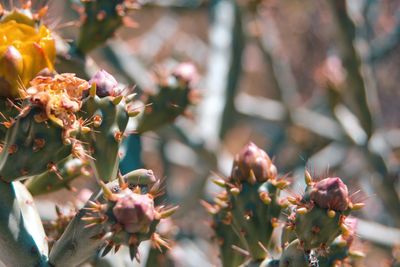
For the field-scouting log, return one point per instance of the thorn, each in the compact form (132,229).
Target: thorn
(210,208)
(357,206)
(133,113)
(281,183)
(356,254)
(168,212)
(137,190)
(345,230)
(265,198)
(130,98)
(307,178)
(92,90)
(154,190)
(14,105)
(42,12)
(158,242)
(219,182)
(133,240)
(292,200)
(234,191)
(107,249)
(121,181)
(241,251)
(116,248)
(132,252)
(263,247)
(252,177)
(301,211)
(117,99)
(107,192)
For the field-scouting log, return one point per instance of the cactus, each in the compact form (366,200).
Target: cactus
(46,126)
(108,110)
(100,19)
(319,217)
(174,95)
(115,216)
(221,223)
(254,189)
(317,228)
(56,127)
(251,200)
(57,178)
(22,237)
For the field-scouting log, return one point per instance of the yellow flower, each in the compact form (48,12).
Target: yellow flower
(25,50)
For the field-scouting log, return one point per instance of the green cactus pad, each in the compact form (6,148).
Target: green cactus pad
(50,181)
(22,238)
(31,148)
(165,106)
(105,139)
(254,217)
(315,228)
(294,256)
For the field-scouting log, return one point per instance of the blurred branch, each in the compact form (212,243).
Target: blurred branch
(351,62)
(383,46)
(225,51)
(378,233)
(155,38)
(282,76)
(235,69)
(119,55)
(273,110)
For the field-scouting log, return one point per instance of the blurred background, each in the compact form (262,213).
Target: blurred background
(314,83)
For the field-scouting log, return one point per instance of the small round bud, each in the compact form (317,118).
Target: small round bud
(106,84)
(252,164)
(135,212)
(330,193)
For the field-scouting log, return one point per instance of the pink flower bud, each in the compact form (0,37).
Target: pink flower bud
(253,163)
(135,212)
(330,193)
(105,83)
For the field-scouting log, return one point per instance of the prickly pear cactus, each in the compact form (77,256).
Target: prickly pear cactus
(109,112)
(319,217)
(317,229)
(116,215)
(251,202)
(100,19)
(45,127)
(175,94)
